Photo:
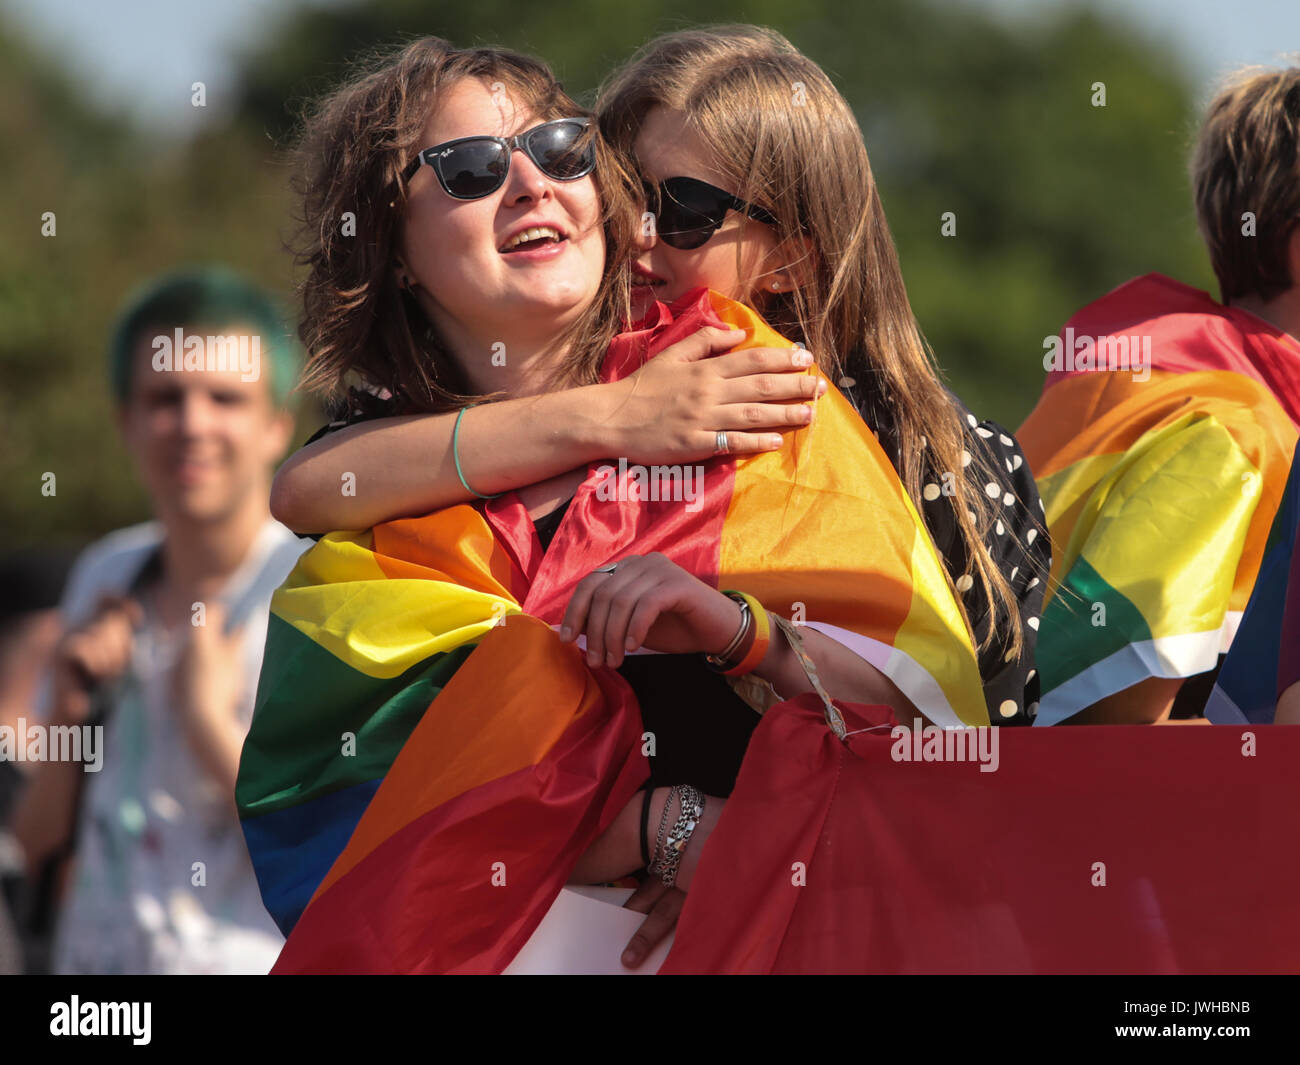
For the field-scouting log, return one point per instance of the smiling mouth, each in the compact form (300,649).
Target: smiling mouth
(532,238)
(189,472)
(644,277)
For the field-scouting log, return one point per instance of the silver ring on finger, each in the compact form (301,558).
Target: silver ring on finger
(606,569)
(720,443)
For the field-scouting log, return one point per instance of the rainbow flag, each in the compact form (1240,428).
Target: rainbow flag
(1248,685)
(427,761)
(1160,444)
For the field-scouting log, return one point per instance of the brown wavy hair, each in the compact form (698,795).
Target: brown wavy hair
(1247,158)
(788,141)
(358,326)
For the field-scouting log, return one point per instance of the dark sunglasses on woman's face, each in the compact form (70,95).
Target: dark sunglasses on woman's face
(470,168)
(688,211)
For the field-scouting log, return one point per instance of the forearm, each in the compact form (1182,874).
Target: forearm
(617,851)
(1146,703)
(216,739)
(43,818)
(843,674)
(1288,707)
(378,471)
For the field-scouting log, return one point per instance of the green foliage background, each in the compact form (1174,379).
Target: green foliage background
(1056,200)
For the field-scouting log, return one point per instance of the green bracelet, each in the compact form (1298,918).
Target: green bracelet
(455,457)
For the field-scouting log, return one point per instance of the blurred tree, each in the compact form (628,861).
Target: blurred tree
(1056,200)
(123,210)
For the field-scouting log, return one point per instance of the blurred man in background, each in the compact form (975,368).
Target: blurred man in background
(164,625)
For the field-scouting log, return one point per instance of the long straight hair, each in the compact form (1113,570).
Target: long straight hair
(787,140)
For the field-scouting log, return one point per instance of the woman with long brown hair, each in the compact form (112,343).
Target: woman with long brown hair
(736,117)
(736,113)
(494,268)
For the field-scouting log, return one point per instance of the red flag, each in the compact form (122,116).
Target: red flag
(1087,850)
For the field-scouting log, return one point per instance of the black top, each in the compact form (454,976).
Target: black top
(700,726)
(1019,546)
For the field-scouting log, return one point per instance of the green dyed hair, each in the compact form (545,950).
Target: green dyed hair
(204,295)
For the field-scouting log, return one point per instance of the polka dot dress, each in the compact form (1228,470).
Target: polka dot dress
(1017,542)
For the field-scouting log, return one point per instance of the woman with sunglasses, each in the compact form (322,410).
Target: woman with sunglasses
(726,150)
(496,270)
(762,190)
(683,407)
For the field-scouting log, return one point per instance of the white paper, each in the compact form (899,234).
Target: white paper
(584,934)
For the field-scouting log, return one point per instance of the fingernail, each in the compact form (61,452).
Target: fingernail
(803,358)
(822,386)
(566,633)
(593,659)
(804,414)
(609,658)
(630,957)
(773,443)
(630,643)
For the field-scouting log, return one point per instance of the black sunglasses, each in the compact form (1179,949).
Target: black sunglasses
(688,211)
(470,168)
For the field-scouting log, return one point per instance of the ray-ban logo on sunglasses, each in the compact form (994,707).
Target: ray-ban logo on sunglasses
(469,168)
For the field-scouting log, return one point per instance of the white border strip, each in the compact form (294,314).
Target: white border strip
(912,678)
(1184,655)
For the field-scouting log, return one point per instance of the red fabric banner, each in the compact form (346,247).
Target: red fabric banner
(1087,850)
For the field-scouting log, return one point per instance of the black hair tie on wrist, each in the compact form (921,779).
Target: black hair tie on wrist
(645,813)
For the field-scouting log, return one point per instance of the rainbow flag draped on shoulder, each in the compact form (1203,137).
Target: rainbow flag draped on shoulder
(1160,445)
(427,761)
(1258,667)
